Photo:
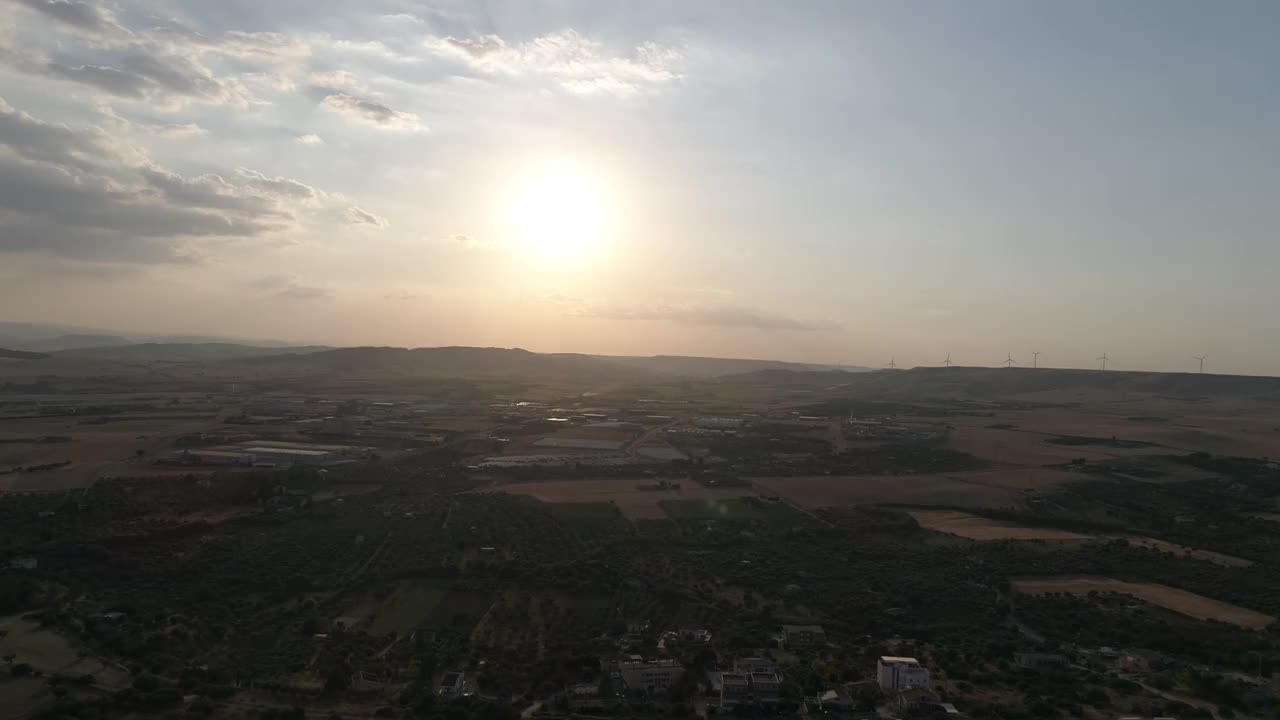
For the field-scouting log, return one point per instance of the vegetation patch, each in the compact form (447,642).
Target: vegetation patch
(979,528)
(396,610)
(712,509)
(1114,442)
(1179,601)
(1184,551)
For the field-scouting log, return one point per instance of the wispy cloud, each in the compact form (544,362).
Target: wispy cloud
(716,315)
(310,139)
(573,61)
(363,218)
(289,287)
(370,112)
(85,193)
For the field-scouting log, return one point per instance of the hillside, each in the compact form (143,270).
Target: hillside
(444,362)
(182,352)
(922,383)
(687,366)
(22,355)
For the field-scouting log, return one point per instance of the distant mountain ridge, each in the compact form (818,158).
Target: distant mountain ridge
(982,382)
(48,337)
(692,366)
(183,352)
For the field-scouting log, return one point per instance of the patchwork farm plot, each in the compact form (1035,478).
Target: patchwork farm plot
(639,499)
(1180,601)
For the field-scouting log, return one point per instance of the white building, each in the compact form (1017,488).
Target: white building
(650,676)
(901,673)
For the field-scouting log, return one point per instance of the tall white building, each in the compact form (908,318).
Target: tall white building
(901,673)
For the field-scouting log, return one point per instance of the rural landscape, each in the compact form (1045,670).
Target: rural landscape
(217,530)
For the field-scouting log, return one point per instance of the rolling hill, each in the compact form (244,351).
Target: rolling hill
(972,382)
(696,367)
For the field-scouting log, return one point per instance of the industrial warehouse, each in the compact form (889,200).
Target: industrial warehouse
(271,453)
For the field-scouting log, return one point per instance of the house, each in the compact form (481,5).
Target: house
(754,665)
(800,637)
(452,685)
(1042,661)
(900,673)
(639,675)
(765,686)
(587,696)
(915,699)
(735,689)
(835,700)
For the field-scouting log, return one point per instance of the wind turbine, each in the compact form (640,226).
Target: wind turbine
(947,362)
(1009,362)
(1035,360)
(891,364)
(1201,359)
(1103,358)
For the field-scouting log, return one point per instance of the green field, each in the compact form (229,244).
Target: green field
(709,509)
(584,511)
(405,611)
(42,649)
(19,696)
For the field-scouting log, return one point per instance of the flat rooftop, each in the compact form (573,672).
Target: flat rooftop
(286,451)
(894,660)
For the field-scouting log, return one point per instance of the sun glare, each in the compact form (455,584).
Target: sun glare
(559,212)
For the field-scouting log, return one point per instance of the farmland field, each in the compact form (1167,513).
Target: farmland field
(711,509)
(980,528)
(398,610)
(1179,601)
(1184,551)
(987,488)
(634,498)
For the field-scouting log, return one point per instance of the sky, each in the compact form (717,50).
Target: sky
(835,182)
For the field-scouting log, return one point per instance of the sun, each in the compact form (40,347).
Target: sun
(559,212)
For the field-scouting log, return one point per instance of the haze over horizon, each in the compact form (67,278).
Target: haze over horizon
(830,182)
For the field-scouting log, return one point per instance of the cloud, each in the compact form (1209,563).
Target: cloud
(468,241)
(699,314)
(175,131)
(306,292)
(289,287)
(92,19)
(574,62)
(404,295)
(279,186)
(369,112)
(80,193)
(172,131)
(310,139)
(164,81)
(158,65)
(361,217)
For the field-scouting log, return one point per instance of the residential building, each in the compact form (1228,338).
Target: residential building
(650,676)
(800,637)
(1042,661)
(735,689)
(835,700)
(765,687)
(754,665)
(901,673)
(452,685)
